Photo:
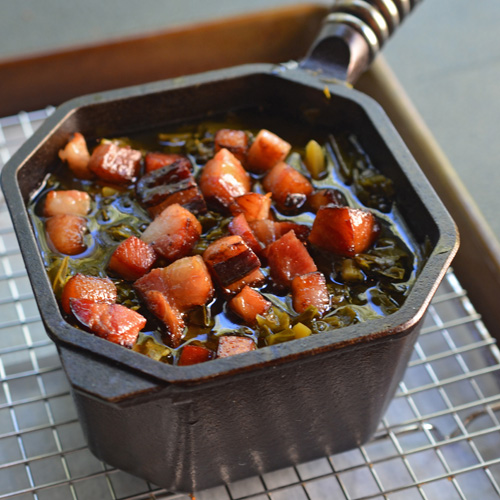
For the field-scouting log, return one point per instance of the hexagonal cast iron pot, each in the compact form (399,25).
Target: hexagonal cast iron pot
(193,427)
(187,428)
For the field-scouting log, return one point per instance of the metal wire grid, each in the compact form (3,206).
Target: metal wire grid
(439,439)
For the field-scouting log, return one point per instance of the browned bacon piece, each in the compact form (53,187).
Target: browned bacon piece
(248,304)
(186,283)
(171,291)
(132,259)
(71,202)
(172,183)
(229,345)
(343,230)
(327,196)
(115,164)
(233,263)
(66,233)
(266,151)
(254,206)
(310,290)
(174,233)
(223,179)
(81,286)
(235,141)
(194,354)
(288,186)
(112,322)
(240,227)
(171,317)
(76,155)
(155,161)
(268,231)
(287,258)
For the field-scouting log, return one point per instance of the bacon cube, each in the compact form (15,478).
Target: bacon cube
(76,155)
(92,288)
(288,186)
(185,283)
(115,164)
(112,322)
(132,259)
(232,263)
(310,290)
(171,317)
(174,233)
(223,179)
(170,184)
(327,196)
(229,345)
(254,206)
(239,226)
(71,202)
(235,141)
(194,354)
(248,304)
(266,151)
(268,231)
(155,161)
(343,230)
(66,233)
(172,290)
(287,258)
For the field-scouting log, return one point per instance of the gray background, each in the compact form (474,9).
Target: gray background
(446,55)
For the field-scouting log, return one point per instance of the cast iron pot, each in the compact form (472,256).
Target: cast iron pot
(187,428)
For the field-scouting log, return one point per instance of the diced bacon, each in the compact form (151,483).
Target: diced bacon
(115,164)
(229,345)
(189,282)
(185,283)
(235,141)
(230,260)
(172,290)
(76,155)
(92,288)
(254,206)
(66,233)
(112,322)
(239,226)
(343,230)
(287,258)
(310,290)
(266,151)
(268,231)
(174,232)
(171,317)
(170,184)
(248,304)
(223,179)
(194,354)
(288,186)
(71,202)
(264,231)
(301,230)
(132,259)
(155,161)
(254,278)
(327,196)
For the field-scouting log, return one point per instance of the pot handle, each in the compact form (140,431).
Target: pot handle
(352,34)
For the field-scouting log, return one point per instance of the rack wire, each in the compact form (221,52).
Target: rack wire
(439,439)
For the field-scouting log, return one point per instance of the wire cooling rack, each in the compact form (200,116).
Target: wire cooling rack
(439,439)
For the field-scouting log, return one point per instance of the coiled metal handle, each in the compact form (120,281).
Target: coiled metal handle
(353,33)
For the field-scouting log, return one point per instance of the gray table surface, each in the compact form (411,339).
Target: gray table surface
(446,55)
